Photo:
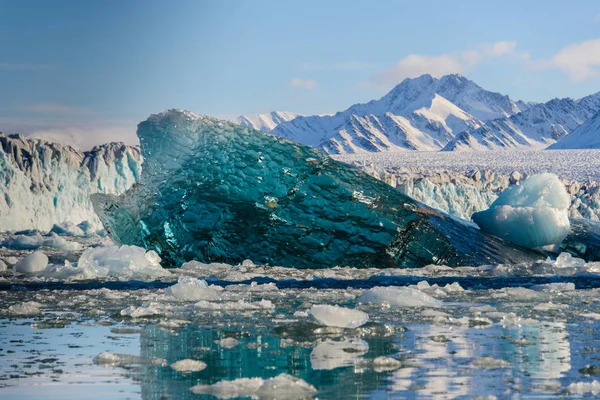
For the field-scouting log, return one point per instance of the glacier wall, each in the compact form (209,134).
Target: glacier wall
(44,183)
(462,194)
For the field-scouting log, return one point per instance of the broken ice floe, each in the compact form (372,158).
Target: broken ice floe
(283,387)
(338,316)
(399,297)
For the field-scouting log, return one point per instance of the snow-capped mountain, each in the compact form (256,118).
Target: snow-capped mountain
(265,122)
(537,127)
(423,113)
(587,136)
(43,183)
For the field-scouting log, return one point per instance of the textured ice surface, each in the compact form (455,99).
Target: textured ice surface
(32,263)
(338,316)
(283,386)
(532,214)
(399,297)
(215,191)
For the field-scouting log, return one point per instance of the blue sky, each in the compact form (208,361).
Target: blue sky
(89,71)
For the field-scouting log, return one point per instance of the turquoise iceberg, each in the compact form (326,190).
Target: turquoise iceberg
(215,191)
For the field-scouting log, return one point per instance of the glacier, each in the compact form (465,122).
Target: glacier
(44,183)
(212,190)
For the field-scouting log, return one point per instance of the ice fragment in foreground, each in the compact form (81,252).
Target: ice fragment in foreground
(188,365)
(532,214)
(215,191)
(331,354)
(191,289)
(127,262)
(399,297)
(338,316)
(281,387)
(32,263)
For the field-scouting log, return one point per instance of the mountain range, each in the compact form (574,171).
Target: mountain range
(451,113)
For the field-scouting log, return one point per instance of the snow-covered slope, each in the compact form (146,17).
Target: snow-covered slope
(423,113)
(587,136)
(537,127)
(265,122)
(43,183)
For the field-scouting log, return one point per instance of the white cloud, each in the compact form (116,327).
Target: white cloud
(309,84)
(77,133)
(415,65)
(580,61)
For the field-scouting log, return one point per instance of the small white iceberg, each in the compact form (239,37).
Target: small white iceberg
(399,297)
(338,316)
(533,214)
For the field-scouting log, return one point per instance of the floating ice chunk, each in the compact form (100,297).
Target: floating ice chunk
(241,305)
(399,297)
(566,260)
(592,387)
(67,229)
(118,360)
(145,311)
(331,354)
(191,289)
(338,316)
(532,214)
(555,287)
(3,266)
(188,365)
(26,308)
(281,387)
(31,264)
(382,364)
(228,343)
(488,362)
(126,262)
(33,242)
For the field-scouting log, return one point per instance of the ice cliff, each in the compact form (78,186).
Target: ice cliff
(43,183)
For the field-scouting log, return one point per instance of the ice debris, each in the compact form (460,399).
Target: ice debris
(191,289)
(338,316)
(488,362)
(31,264)
(188,365)
(281,387)
(119,360)
(331,354)
(532,214)
(592,387)
(228,343)
(125,262)
(398,297)
(34,242)
(383,364)
(26,308)
(215,191)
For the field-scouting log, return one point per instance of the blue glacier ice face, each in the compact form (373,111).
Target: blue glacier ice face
(212,190)
(532,214)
